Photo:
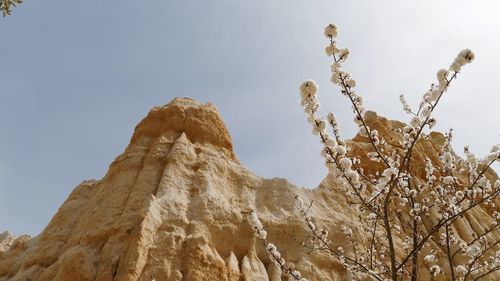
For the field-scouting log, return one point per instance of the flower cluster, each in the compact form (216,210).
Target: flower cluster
(6,6)
(464,57)
(404,103)
(319,240)
(431,98)
(396,202)
(431,263)
(257,227)
(320,233)
(335,150)
(271,249)
(408,211)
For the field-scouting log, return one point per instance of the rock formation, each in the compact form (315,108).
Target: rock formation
(172,207)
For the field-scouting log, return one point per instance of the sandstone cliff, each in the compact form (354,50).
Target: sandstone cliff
(171,207)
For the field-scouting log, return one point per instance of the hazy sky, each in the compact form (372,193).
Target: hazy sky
(77,76)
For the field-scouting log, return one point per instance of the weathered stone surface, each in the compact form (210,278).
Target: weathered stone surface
(171,207)
(6,240)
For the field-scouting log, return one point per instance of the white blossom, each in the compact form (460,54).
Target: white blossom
(344,53)
(430,259)
(346,230)
(431,122)
(415,122)
(351,83)
(460,269)
(442,76)
(335,67)
(319,126)
(494,154)
(331,31)
(374,156)
(434,95)
(472,250)
(309,87)
(374,136)
(340,150)
(331,118)
(345,163)
(435,270)
(254,221)
(448,180)
(464,57)
(426,111)
(331,49)
(372,216)
(406,107)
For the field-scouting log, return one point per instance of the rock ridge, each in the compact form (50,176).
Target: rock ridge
(172,207)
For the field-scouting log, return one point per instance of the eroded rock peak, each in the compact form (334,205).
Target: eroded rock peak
(200,122)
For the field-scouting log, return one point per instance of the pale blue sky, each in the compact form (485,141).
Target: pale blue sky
(77,76)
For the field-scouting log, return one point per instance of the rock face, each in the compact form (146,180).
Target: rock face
(172,207)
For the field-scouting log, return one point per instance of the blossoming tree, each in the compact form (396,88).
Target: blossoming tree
(6,6)
(393,202)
